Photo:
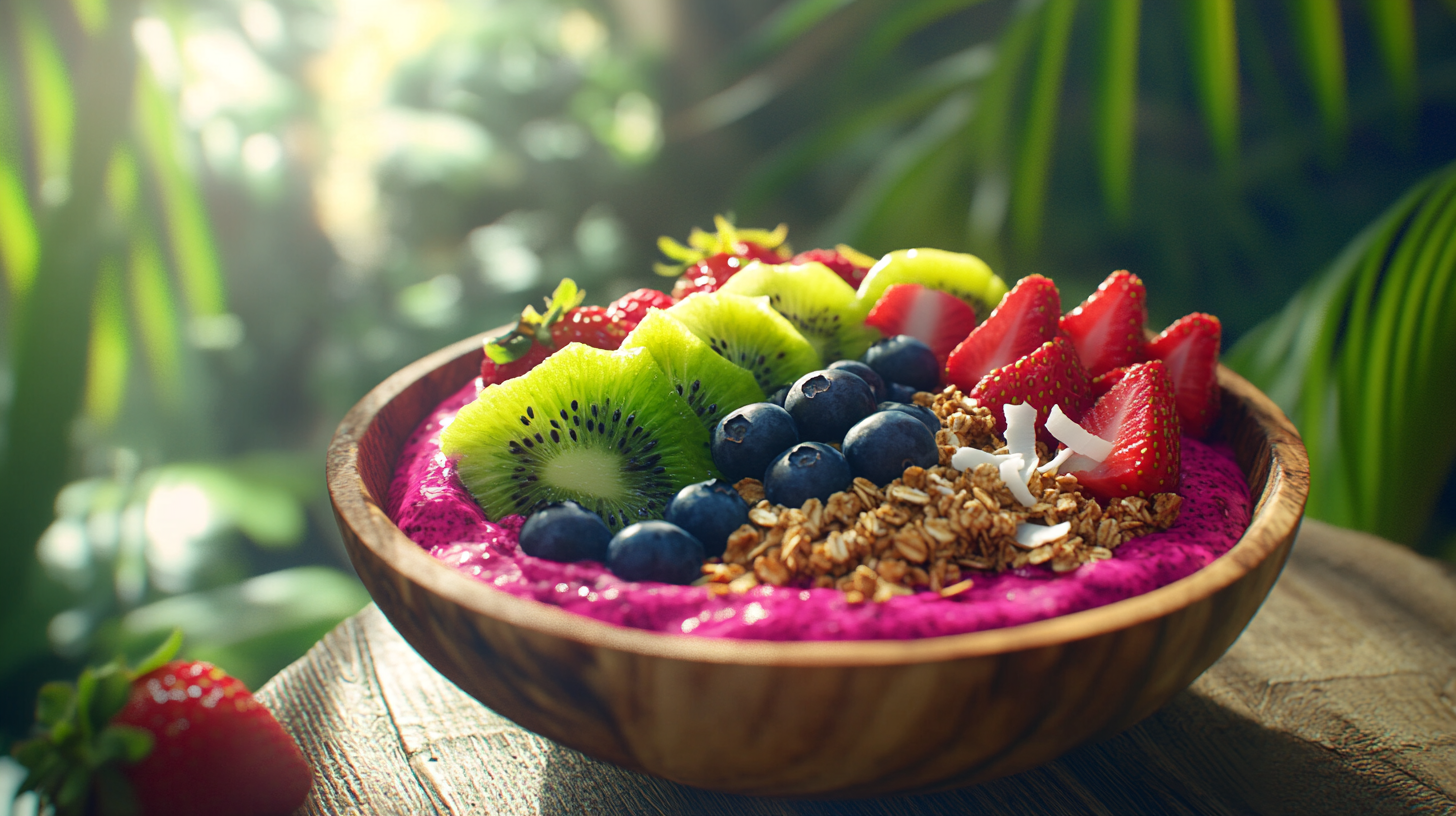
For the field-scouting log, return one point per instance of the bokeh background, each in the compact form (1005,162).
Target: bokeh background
(223,221)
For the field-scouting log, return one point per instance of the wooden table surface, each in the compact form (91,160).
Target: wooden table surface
(1340,697)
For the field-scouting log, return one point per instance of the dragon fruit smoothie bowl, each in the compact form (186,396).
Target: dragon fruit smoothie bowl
(775,676)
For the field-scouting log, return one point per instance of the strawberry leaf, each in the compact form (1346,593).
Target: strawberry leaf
(124,743)
(54,702)
(164,652)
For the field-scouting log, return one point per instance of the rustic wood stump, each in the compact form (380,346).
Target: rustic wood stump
(1340,697)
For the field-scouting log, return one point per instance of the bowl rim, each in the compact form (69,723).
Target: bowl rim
(1276,516)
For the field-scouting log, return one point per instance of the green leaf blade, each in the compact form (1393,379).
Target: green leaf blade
(1028,197)
(1215,66)
(1116,115)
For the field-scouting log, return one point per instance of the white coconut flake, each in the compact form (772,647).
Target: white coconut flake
(1077,438)
(1011,475)
(1029,536)
(969,458)
(1050,468)
(1021,433)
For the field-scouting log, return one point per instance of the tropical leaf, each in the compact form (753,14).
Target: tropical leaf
(48,89)
(1321,41)
(1394,27)
(1028,197)
(108,361)
(1116,112)
(1215,55)
(1361,360)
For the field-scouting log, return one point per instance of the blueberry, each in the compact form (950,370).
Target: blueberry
(748,439)
(808,470)
(778,397)
(565,531)
(920,412)
(882,446)
(903,359)
(709,511)
(655,551)
(901,393)
(825,404)
(864,372)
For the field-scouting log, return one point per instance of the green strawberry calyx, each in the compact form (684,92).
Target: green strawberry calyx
(703,244)
(76,757)
(533,326)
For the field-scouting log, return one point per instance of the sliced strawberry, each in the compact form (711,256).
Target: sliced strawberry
(937,319)
(1189,348)
(708,275)
(535,336)
(1026,318)
(1051,375)
(492,372)
(1140,418)
(1107,328)
(843,261)
(1102,383)
(711,258)
(629,309)
(589,325)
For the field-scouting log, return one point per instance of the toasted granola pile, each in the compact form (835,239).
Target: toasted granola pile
(931,528)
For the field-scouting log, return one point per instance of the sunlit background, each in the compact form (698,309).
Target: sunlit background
(223,221)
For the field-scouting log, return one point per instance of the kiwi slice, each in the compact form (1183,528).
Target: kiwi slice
(604,429)
(965,276)
(750,334)
(816,300)
(711,385)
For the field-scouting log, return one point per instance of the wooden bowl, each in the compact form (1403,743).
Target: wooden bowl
(822,719)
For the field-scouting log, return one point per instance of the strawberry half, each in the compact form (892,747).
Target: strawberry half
(629,309)
(937,319)
(844,261)
(1051,375)
(1026,317)
(1102,383)
(1140,418)
(535,336)
(165,739)
(1189,348)
(1107,328)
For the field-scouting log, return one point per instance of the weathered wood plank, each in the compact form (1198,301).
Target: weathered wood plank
(1339,698)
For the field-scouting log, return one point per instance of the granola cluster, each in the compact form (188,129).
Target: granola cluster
(931,528)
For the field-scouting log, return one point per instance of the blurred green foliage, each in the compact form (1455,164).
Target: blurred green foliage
(223,221)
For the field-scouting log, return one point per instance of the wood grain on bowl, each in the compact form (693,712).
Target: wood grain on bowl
(855,718)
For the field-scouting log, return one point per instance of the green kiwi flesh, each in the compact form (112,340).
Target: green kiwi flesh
(711,385)
(816,300)
(604,429)
(750,334)
(965,276)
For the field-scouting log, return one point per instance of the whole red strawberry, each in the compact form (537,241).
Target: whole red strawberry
(1139,417)
(937,319)
(167,739)
(844,261)
(711,258)
(1107,328)
(1051,375)
(217,750)
(629,309)
(1026,317)
(1189,347)
(535,336)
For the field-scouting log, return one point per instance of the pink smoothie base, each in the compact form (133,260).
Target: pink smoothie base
(428,502)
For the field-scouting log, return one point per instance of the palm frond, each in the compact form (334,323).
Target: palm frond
(188,230)
(48,90)
(1393,25)
(1033,165)
(1116,112)
(156,314)
(1215,55)
(1361,360)
(108,360)
(1321,40)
